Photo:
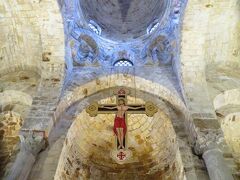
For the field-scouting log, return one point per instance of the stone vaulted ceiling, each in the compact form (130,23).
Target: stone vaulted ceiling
(124,19)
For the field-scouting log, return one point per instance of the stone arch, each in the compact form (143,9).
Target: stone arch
(15,68)
(116,80)
(82,92)
(83,102)
(229,97)
(104,93)
(79,96)
(11,97)
(227,107)
(18,88)
(227,103)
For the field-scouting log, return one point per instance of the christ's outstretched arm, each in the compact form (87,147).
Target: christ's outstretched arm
(135,108)
(115,107)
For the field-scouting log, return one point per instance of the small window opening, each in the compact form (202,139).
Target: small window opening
(95,27)
(123,63)
(152,27)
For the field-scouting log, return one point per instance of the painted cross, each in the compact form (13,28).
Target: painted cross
(121,155)
(121,94)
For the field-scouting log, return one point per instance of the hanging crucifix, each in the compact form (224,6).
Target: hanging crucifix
(121,109)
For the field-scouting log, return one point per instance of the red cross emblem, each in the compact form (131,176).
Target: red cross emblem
(121,155)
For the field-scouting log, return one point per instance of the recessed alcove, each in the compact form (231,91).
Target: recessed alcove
(152,141)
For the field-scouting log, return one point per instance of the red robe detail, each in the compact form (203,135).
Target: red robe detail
(119,123)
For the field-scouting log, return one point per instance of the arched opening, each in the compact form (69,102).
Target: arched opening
(153,142)
(74,103)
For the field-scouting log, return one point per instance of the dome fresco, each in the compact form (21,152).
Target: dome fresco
(124,20)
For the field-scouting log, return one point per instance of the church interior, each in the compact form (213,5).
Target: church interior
(67,64)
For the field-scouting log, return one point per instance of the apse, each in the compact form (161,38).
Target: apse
(90,140)
(124,20)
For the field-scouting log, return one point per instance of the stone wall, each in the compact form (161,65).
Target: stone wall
(230,97)
(19,35)
(223,32)
(31,35)
(208,36)
(192,58)
(10,123)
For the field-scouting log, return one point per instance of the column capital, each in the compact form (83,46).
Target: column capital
(207,140)
(32,141)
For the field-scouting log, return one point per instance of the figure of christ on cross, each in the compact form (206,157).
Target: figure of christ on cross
(120,127)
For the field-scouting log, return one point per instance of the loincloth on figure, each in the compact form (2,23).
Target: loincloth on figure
(119,122)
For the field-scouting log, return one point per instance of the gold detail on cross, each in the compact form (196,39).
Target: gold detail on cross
(94,109)
(121,93)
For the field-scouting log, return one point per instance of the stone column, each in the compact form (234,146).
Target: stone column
(208,145)
(31,145)
(217,168)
